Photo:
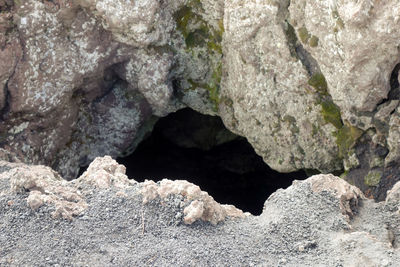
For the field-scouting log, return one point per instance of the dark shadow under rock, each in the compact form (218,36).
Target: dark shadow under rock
(230,171)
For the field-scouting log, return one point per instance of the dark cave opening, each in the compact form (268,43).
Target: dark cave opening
(187,145)
(394,92)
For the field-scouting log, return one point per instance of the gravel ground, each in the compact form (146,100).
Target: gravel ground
(298,227)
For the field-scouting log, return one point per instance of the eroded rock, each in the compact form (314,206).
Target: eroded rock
(45,186)
(393,198)
(303,81)
(356,50)
(348,195)
(105,172)
(199,204)
(265,94)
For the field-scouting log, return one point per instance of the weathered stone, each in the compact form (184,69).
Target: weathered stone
(59,62)
(265,94)
(105,173)
(139,23)
(393,138)
(302,80)
(70,63)
(358,54)
(357,48)
(45,186)
(347,195)
(108,126)
(393,198)
(199,204)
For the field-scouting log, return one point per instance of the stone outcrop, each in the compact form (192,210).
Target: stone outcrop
(265,94)
(393,198)
(311,85)
(84,77)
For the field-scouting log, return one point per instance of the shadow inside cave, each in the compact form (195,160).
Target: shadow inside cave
(187,145)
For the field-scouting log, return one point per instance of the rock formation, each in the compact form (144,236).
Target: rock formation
(306,83)
(311,85)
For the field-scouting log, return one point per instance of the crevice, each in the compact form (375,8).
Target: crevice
(394,93)
(7,101)
(299,52)
(309,63)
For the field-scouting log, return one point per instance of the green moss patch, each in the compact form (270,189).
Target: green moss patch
(318,81)
(305,37)
(346,137)
(346,134)
(373,178)
(339,22)
(303,34)
(313,42)
(213,87)
(195,30)
(331,114)
(198,33)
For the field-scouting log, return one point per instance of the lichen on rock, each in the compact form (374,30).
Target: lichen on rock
(268,84)
(199,51)
(303,81)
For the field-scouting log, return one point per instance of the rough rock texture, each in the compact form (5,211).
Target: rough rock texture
(265,92)
(314,84)
(83,78)
(356,46)
(310,84)
(45,186)
(201,205)
(347,194)
(304,225)
(357,49)
(392,200)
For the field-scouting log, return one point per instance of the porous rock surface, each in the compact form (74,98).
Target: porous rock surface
(265,90)
(322,221)
(310,84)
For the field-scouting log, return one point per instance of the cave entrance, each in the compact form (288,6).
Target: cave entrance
(187,145)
